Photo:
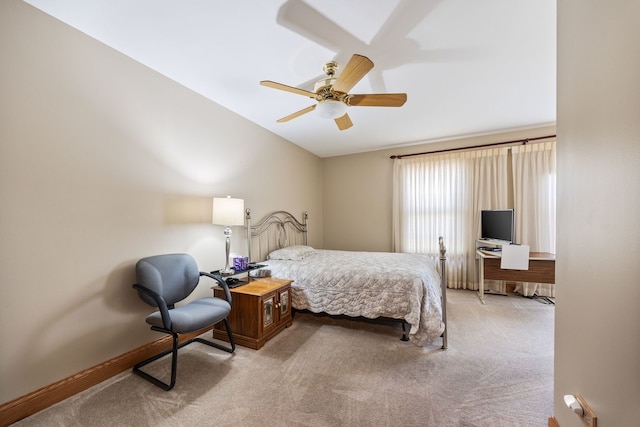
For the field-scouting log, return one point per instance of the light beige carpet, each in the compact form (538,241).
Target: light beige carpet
(324,371)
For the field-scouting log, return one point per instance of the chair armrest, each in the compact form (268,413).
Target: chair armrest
(221,282)
(160,302)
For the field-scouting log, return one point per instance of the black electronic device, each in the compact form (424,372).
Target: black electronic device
(232,282)
(497,224)
(253,266)
(490,249)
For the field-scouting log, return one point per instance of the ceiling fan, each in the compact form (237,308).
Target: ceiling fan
(332,93)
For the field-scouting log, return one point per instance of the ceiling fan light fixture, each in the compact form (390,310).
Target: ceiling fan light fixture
(331,109)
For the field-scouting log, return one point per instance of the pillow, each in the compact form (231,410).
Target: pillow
(294,253)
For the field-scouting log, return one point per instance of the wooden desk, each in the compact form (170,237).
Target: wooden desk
(542,269)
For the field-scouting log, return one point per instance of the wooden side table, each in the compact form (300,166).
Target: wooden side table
(259,310)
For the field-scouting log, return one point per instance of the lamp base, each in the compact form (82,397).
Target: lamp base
(227,271)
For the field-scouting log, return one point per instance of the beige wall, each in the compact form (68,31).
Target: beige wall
(103,161)
(358,191)
(597,336)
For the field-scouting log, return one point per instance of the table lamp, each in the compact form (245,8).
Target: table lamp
(227,212)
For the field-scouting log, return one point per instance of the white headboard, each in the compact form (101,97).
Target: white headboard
(277,230)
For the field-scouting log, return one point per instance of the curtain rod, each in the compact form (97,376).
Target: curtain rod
(515,141)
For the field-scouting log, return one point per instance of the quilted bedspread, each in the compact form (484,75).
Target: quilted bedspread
(368,284)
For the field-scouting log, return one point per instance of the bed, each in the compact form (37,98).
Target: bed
(373,285)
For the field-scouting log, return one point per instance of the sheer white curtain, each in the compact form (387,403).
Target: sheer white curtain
(534,190)
(490,191)
(442,195)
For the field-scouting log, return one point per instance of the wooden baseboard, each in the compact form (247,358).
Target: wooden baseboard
(29,404)
(553,422)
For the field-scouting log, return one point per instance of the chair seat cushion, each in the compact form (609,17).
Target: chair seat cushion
(195,315)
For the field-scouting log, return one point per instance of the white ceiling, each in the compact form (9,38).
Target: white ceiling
(468,67)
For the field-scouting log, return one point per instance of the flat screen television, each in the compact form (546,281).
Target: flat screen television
(497,224)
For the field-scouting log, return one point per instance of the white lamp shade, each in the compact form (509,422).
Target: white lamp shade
(227,211)
(331,109)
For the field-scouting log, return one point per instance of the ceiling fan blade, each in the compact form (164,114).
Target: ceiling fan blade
(404,18)
(298,16)
(286,88)
(357,67)
(297,114)
(343,122)
(378,100)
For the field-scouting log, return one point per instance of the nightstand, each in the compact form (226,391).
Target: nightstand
(259,310)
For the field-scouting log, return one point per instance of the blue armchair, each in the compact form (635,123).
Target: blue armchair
(163,281)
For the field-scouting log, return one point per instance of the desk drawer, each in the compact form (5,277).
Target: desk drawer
(540,271)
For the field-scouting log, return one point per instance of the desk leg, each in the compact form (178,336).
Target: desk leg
(481,280)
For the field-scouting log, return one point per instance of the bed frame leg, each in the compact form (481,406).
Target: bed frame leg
(443,288)
(405,333)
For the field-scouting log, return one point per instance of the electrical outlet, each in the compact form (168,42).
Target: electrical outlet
(589,418)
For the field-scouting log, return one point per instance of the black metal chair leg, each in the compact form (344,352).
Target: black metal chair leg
(174,356)
(230,335)
(230,349)
(174,364)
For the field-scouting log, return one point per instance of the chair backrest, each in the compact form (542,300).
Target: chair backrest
(173,276)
